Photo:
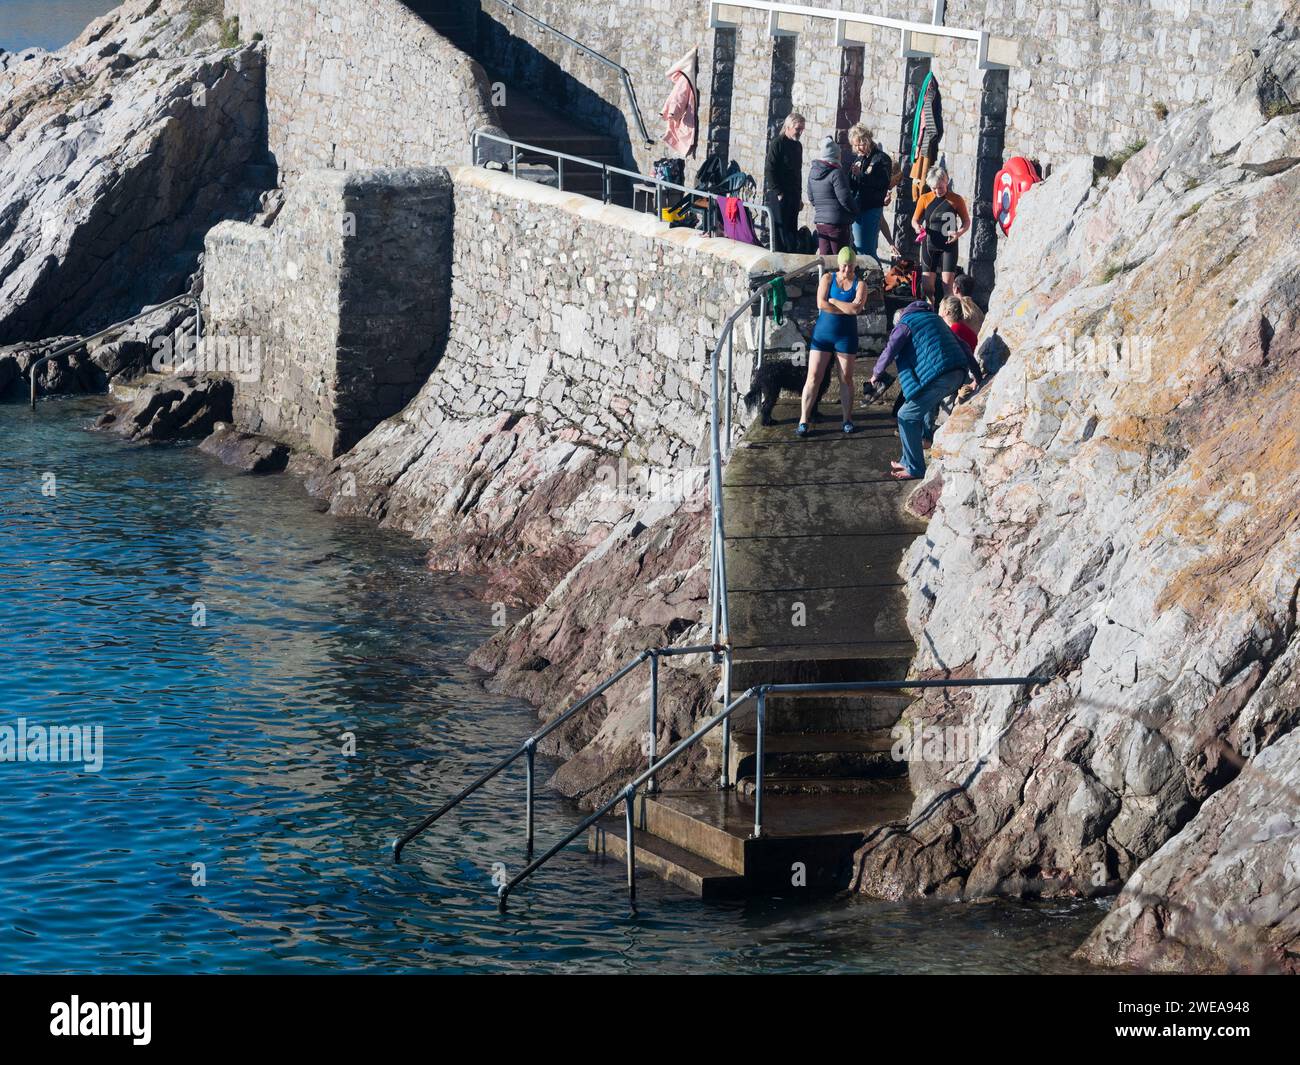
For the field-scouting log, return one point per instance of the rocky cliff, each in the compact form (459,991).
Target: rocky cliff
(116,155)
(1120,511)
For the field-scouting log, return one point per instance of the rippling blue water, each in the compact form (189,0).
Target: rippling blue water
(46,23)
(222,747)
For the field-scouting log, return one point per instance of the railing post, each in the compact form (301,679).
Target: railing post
(559,172)
(731,351)
(758,765)
(629,802)
(651,786)
(725,782)
(514,160)
(659,201)
(529,756)
(762,326)
(604,184)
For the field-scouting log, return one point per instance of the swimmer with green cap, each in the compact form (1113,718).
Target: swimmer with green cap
(841,297)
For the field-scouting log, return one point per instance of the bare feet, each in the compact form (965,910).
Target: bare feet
(897,466)
(903,475)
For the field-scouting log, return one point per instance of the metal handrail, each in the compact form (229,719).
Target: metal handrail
(588,50)
(69,348)
(481,134)
(529,746)
(760,692)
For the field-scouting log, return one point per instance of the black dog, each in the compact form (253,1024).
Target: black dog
(775,375)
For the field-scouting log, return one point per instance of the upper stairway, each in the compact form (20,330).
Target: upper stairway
(527,116)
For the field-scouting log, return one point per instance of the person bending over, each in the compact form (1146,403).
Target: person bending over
(931,365)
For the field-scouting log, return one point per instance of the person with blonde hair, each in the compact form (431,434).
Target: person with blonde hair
(783,181)
(941,218)
(871,181)
(841,297)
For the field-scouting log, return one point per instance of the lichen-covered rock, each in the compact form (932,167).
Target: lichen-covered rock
(116,154)
(1120,511)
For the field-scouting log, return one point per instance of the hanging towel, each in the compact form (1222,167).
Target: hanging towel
(681,110)
(927,131)
(777,295)
(736,222)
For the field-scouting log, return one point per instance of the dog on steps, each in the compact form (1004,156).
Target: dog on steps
(775,375)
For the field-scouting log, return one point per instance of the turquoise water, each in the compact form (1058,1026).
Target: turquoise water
(222,747)
(46,24)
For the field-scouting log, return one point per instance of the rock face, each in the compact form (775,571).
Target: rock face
(116,155)
(177,408)
(1120,511)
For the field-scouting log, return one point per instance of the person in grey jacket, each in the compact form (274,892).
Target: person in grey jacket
(834,205)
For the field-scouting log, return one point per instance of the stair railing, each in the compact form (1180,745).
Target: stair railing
(68,349)
(528,750)
(618,68)
(518,148)
(627,796)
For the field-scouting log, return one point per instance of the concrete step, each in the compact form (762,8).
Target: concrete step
(688,871)
(813,615)
(804,830)
(791,663)
(826,788)
(819,561)
(859,754)
(821,713)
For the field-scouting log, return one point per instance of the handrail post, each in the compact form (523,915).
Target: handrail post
(731,352)
(604,183)
(559,172)
(762,326)
(629,800)
(514,160)
(758,765)
(529,758)
(725,783)
(651,786)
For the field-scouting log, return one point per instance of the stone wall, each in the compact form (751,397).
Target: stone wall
(341,305)
(590,316)
(363,83)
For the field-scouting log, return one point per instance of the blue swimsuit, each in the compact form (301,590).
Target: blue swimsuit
(837,332)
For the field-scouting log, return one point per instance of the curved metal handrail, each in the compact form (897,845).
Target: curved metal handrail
(529,747)
(760,693)
(67,349)
(588,50)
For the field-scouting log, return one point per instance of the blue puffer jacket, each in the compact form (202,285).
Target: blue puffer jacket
(923,347)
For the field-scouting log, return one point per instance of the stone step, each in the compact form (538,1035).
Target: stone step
(688,871)
(855,508)
(681,824)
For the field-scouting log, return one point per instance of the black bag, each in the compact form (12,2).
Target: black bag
(673,170)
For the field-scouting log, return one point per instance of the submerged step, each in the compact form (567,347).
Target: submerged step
(680,867)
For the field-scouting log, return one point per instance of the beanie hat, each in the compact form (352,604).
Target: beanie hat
(830,150)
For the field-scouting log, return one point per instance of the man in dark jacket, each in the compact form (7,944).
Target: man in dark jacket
(833,203)
(782,178)
(931,364)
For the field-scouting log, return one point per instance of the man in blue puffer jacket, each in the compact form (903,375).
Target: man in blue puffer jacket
(931,364)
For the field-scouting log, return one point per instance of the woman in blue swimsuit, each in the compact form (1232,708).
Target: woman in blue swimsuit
(840,298)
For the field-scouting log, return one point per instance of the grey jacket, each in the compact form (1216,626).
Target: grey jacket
(829,193)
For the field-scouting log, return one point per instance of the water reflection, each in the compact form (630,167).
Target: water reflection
(230,831)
